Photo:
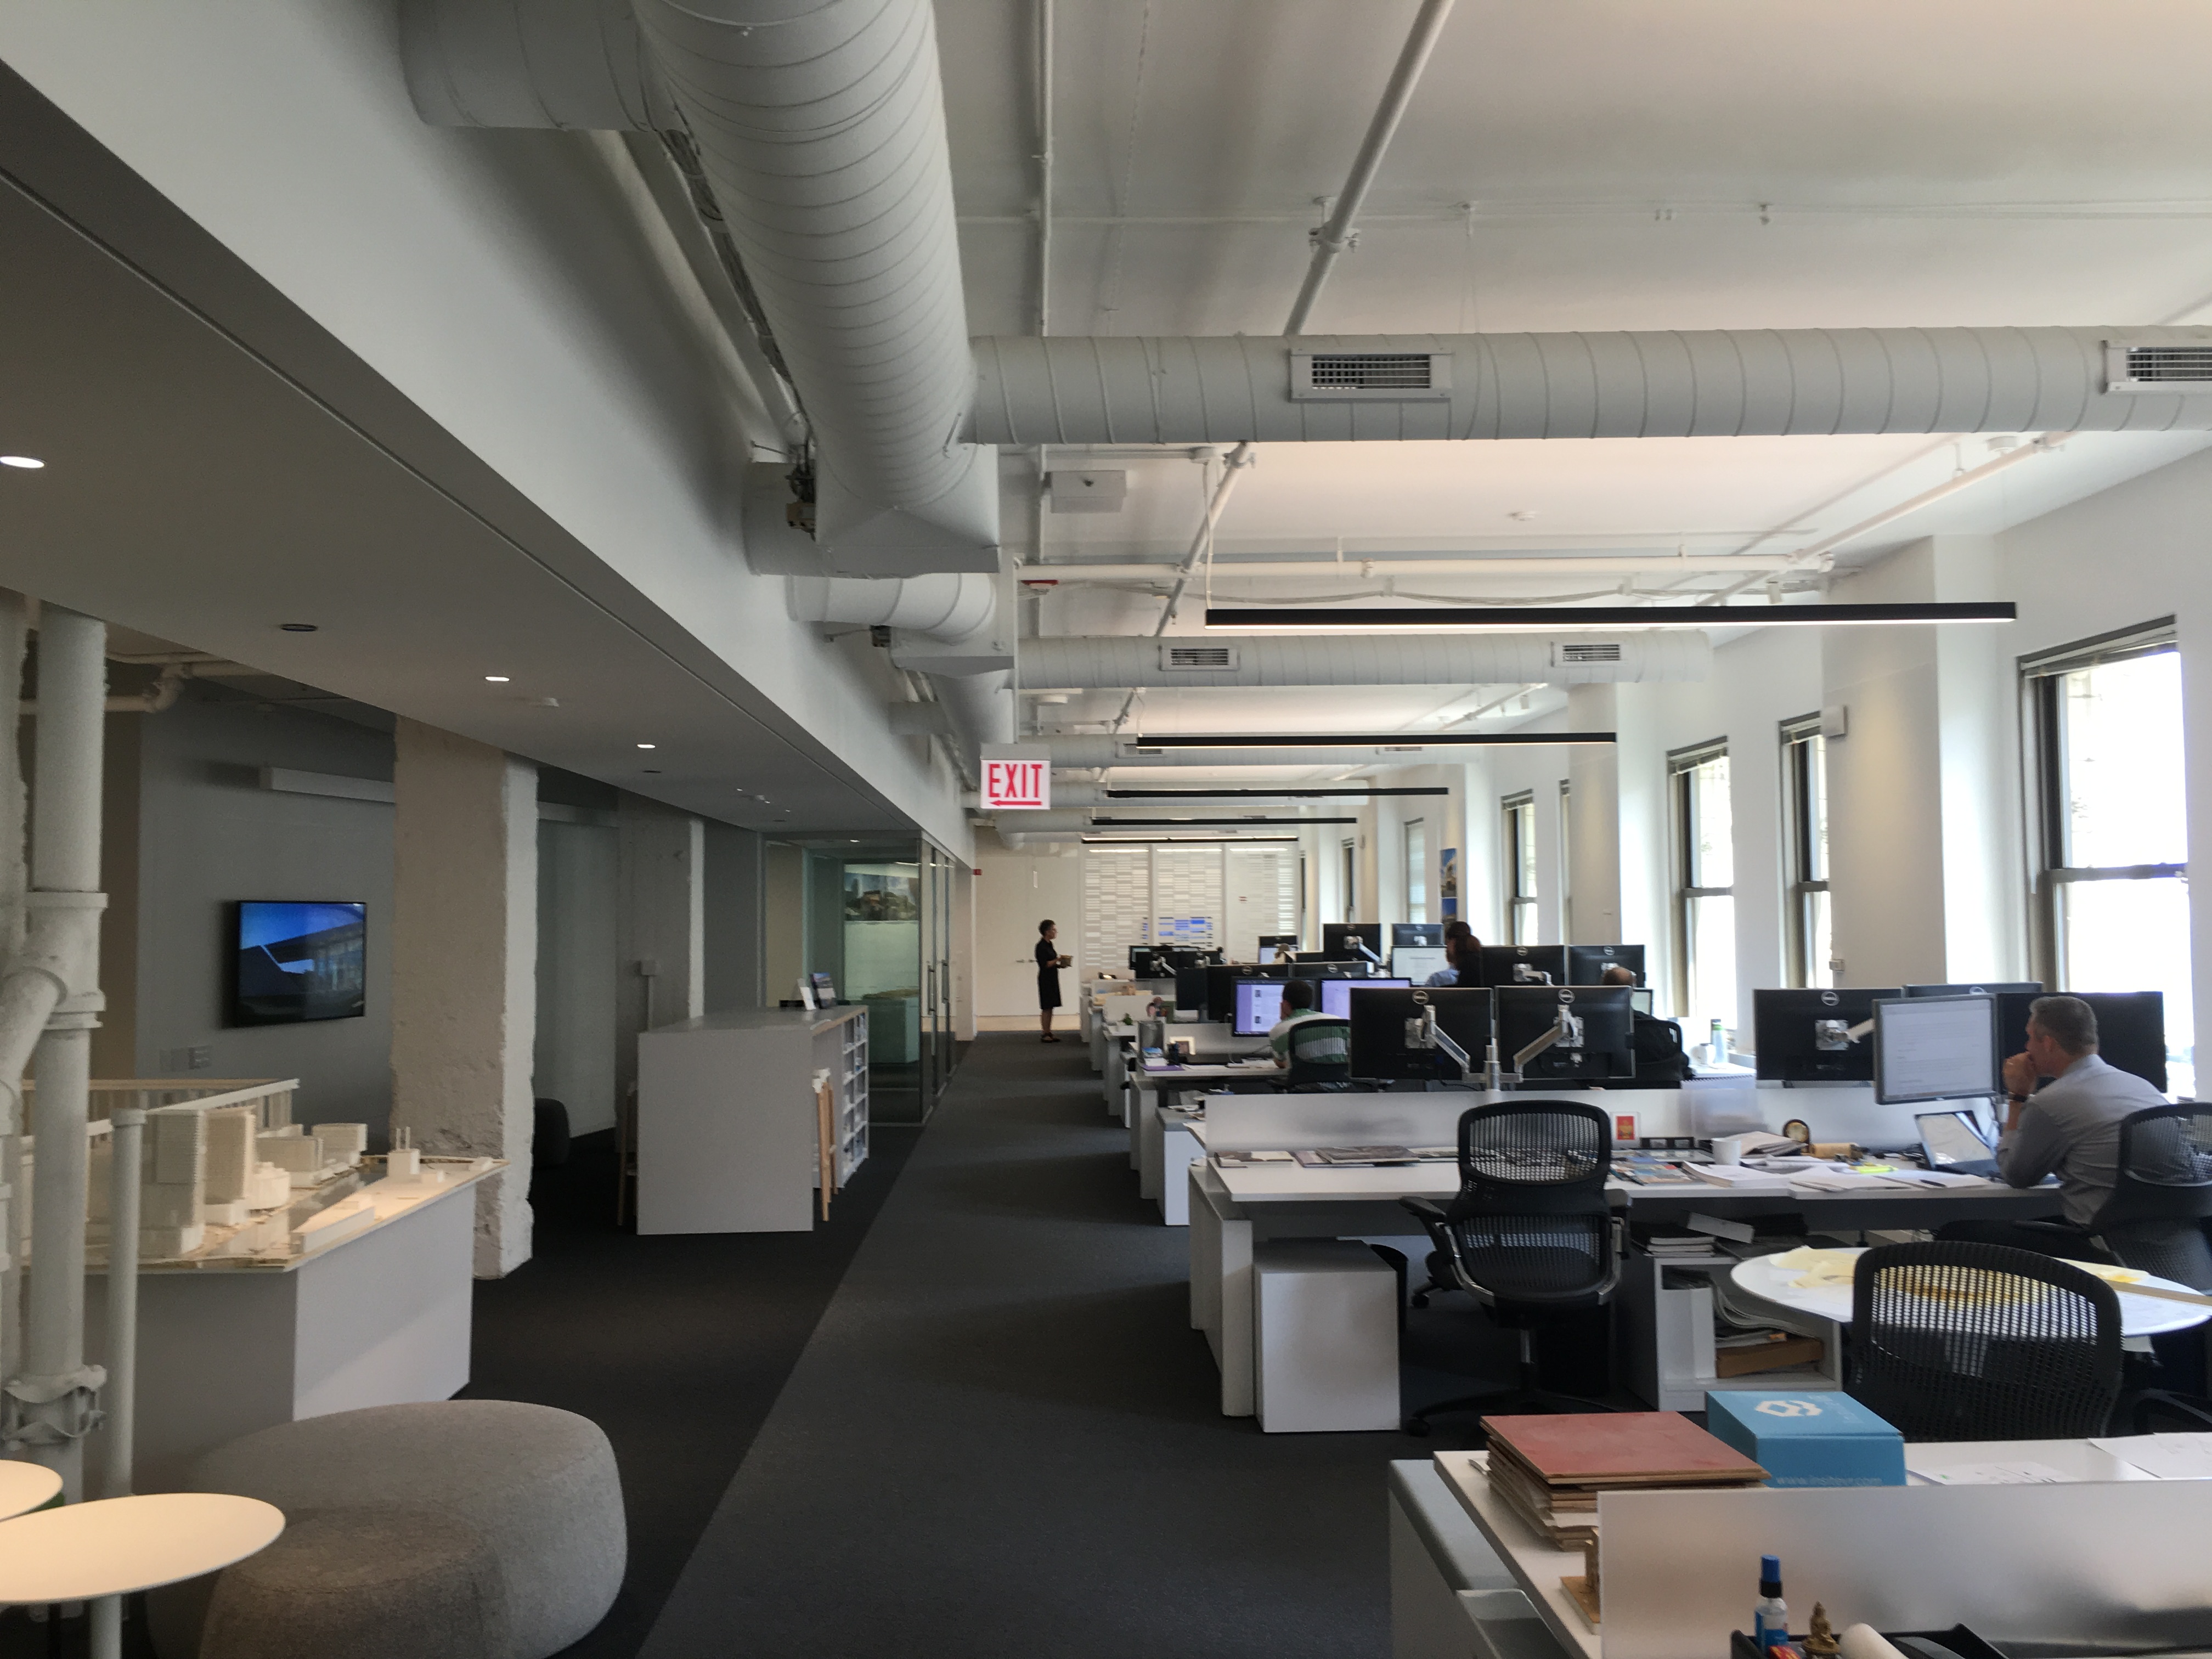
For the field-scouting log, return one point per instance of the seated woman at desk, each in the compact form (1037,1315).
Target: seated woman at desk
(1464,952)
(1319,1058)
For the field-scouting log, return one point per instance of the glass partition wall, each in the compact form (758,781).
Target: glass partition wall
(879,924)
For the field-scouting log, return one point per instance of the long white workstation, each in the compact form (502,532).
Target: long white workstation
(1231,1210)
(2106,1557)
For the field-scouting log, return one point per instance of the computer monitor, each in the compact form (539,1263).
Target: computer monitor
(1586,963)
(1805,1037)
(1524,964)
(1384,1022)
(1190,990)
(1277,947)
(1643,998)
(1951,1143)
(2031,987)
(1934,1048)
(1410,933)
(1336,993)
(1221,982)
(1258,1005)
(1144,962)
(2130,1028)
(1336,939)
(1601,1016)
(1417,963)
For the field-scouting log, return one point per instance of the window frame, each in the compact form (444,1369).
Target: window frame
(2042,675)
(1682,764)
(1417,868)
(1803,746)
(1518,811)
(1566,839)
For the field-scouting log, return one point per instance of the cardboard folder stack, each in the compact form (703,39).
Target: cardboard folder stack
(1550,1469)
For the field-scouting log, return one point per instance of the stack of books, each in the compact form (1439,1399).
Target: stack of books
(1671,1245)
(1550,1469)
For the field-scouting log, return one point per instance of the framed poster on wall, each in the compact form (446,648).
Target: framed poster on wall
(1448,883)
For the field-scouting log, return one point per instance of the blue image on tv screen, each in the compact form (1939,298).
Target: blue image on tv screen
(298,960)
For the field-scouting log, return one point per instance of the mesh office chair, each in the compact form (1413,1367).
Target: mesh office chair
(2154,1219)
(1530,1236)
(1321,1056)
(1958,1341)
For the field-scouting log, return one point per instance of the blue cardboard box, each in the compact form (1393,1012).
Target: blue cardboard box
(1809,1439)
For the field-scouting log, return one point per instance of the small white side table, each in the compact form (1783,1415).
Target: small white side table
(103,1551)
(25,1487)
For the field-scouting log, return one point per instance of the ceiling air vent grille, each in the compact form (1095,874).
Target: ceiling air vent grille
(1201,657)
(1386,376)
(1568,652)
(2158,367)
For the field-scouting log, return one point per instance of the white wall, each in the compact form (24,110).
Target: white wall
(574,1059)
(1016,891)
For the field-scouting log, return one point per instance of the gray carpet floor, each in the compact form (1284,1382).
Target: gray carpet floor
(1004,1437)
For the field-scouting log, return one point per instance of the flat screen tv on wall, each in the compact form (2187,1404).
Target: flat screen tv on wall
(295,960)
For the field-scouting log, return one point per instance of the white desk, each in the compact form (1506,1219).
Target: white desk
(2140,1316)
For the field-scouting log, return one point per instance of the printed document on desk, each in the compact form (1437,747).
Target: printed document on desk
(2168,1456)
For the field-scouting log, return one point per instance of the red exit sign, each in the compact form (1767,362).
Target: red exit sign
(1017,778)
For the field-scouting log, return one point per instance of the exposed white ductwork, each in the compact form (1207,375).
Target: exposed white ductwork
(1719,383)
(820,125)
(950,607)
(1092,663)
(981,707)
(1108,750)
(1072,793)
(1440,566)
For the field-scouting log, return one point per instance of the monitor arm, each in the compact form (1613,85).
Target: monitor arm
(1566,1032)
(1360,945)
(1425,1033)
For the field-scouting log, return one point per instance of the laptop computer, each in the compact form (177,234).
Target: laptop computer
(1951,1143)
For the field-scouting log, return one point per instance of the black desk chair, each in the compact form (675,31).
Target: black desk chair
(1321,1056)
(1958,1341)
(1530,1237)
(2154,1219)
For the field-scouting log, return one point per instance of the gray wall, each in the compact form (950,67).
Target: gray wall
(574,1059)
(735,894)
(206,835)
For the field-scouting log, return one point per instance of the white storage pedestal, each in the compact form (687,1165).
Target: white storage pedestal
(1325,1337)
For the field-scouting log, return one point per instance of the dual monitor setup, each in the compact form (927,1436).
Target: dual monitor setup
(1921,1044)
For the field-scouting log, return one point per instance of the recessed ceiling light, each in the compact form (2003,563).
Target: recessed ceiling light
(298,627)
(653,771)
(496,679)
(648,745)
(28,462)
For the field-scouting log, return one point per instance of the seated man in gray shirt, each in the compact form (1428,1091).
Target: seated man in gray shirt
(2070,1127)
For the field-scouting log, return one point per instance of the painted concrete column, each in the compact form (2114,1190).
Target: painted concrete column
(660,924)
(1594,816)
(464,967)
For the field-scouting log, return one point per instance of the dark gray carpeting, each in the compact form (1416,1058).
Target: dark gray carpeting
(1004,1437)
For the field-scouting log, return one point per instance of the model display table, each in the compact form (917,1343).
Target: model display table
(121,1545)
(229,1344)
(25,1487)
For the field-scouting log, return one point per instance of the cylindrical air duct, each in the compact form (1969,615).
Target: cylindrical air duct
(1716,383)
(947,606)
(1088,753)
(1110,662)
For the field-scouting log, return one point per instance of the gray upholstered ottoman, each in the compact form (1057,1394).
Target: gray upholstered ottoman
(364,1585)
(536,1487)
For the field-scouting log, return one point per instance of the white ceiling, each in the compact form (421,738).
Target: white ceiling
(1587,164)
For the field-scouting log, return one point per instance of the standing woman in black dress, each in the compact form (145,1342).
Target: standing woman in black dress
(1049,962)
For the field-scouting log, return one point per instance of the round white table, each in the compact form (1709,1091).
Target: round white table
(2140,1316)
(25,1487)
(120,1546)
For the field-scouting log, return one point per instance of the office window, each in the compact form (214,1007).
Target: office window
(1704,885)
(1805,825)
(2114,887)
(1416,871)
(1519,843)
(1566,861)
(1351,882)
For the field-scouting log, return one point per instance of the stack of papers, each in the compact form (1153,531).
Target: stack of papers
(2022,1472)
(2168,1456)
(1732,1175)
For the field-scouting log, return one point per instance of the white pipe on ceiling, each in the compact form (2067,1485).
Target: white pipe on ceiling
(950,606)
(1716,383)
(1075,793)
(981,707)
(1356,569)
(1106,751)
(820,125)
(1078,663)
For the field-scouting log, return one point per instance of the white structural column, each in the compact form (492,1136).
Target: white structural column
(660,923)
(465,968)
(1923,854)
(1594,816)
